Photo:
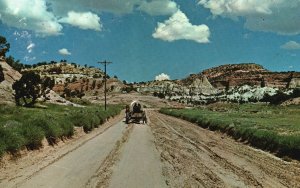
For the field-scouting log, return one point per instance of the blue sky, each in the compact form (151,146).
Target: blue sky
(144,38)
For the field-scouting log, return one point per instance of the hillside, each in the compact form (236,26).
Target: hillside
(72,80)
(9,76)
(231,83)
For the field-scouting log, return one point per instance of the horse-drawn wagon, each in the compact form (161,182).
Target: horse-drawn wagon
(135,113)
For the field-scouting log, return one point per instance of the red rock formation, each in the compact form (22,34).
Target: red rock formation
(227,76)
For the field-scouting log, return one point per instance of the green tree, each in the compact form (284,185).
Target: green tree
(15,64)
(4,46)
(27,89)
(46,83)
(30,87)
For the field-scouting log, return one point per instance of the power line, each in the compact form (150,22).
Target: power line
(105,76)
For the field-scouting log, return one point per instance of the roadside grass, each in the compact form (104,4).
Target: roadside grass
(271,128)
(27,127)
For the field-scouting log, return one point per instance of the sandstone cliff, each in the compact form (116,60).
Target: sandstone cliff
(232,75)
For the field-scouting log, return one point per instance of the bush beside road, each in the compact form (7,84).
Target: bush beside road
(27,127)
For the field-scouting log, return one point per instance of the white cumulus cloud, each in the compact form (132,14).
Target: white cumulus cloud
(291,45)
(179,27)
(162,77)
(83,20)
(30,15)
(64,51)
(30,47)
(40,15)
(158,7)
(28,58)
(46,17)
(61,7)
(22,34)
(153,7)
(279,16)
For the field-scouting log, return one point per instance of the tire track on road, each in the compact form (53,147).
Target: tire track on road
(167,130)
(75,168)
(215,159)
(102,177)
(267,169)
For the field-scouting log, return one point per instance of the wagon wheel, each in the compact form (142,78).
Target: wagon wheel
(127,118)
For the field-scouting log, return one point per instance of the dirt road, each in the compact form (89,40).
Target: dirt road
(119,156)
(140,162)
(196,157)
(168,152)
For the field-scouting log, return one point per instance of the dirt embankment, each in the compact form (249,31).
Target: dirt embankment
(30,163)
(193,156)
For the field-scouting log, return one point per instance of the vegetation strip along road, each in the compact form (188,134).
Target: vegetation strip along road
(27,127)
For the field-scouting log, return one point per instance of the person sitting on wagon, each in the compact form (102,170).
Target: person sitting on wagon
(135,108)
(139,107)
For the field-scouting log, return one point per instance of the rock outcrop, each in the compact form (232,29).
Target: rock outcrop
(72,80)
(228,76)
(10,76)
(228,83)
(294,83)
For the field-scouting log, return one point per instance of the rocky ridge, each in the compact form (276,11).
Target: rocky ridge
(231,83)
(72,80)
(235,82)
(232,75)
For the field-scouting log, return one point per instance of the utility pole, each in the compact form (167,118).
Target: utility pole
(105,76)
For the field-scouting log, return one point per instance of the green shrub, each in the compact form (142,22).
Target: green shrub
(50,126)
(11,136)
(88,127)
(52,123)
(33,136)
(68,128)
(79,118)
(79,101)
(2,146)
(95,120)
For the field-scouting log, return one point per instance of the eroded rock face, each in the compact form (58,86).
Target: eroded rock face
(229,76)
(73,80)
(294,83)
(10,76)
(90,86)
(231,83)
(174,89)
